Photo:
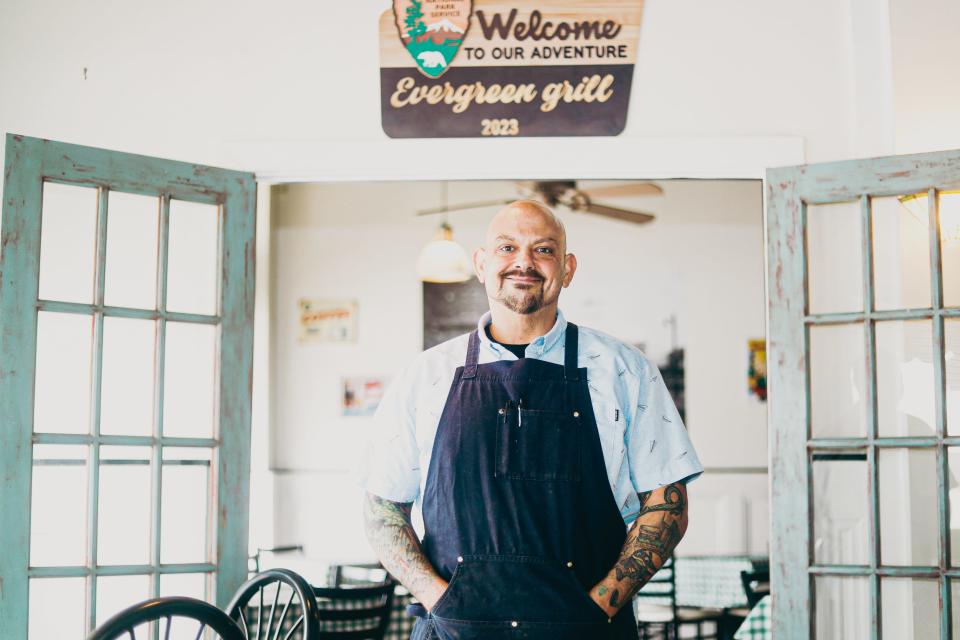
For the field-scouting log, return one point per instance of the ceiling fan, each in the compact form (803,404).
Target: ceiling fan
(565,193)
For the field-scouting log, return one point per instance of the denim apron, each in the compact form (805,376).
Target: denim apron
(518,513)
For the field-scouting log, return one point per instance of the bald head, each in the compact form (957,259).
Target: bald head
(527,214)
(524,262)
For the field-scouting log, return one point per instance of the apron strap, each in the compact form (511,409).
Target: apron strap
(570,353)
(473,356)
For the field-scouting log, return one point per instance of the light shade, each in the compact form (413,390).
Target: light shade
(949,212)
(443,260)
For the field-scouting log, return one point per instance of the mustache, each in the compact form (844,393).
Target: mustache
(531,273)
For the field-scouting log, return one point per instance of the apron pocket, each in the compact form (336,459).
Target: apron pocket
(501,596)
(538,445)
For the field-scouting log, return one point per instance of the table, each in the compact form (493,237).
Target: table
(713,582)
(757,626)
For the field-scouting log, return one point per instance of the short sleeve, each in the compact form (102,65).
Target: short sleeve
(391,461)
(659,450)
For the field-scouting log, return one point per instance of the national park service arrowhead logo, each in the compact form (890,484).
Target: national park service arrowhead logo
(432,31)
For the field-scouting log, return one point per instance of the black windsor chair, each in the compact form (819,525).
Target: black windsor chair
(184,617)
(756,584)
(276,604)
(355,613)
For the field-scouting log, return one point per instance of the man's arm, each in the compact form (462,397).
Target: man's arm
(395,542)
(650,541)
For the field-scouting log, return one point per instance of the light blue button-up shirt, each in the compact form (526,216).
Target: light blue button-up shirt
(645,444)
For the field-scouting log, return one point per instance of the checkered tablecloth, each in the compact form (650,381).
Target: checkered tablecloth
(713,582)
(757,624)
(401,624)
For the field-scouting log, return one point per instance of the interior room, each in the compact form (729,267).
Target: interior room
(241,348)
(689,280)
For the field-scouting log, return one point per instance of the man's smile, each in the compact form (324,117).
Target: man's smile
(519,279)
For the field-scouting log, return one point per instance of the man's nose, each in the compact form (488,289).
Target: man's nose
(523,259)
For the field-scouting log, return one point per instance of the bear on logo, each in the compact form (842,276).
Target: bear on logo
(431,59)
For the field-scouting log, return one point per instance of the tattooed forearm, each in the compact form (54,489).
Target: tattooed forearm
(395,542)
(655,533)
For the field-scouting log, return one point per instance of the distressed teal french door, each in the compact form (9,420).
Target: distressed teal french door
(864,371)
(126,331)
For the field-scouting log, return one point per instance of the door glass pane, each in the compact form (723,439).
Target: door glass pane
(68,240)
(841,522)
(125,499)
(132,232)
(955,589)
(190,380)
(950,247)
(951,339)
(58,505)
(843,608)
(908,507)
(953,487)
(128,367)
(910,608)
(901,254)
(184,523)
(194,257)
(115,593)
(192,585)
(834,257)
(56,608)
(905,388)
(837,381)
(62,387)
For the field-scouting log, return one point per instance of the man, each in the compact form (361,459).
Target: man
(550,440)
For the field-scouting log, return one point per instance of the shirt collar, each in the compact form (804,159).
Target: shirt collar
(538,346)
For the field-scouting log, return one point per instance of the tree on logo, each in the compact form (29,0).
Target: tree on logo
(415,26)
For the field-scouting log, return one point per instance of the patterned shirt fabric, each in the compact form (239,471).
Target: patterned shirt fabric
(645,445)
(757,625)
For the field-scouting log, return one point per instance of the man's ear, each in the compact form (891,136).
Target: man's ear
(479,262)
(570,262)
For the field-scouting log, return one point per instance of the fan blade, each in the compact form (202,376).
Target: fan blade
(624,189)
(638,217)
(461,207)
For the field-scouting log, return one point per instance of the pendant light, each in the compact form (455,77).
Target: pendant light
(949,212)
(443,260)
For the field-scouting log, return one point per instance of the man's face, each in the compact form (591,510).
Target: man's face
(524,264)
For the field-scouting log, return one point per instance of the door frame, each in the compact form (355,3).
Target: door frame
(788,193)
(29,162)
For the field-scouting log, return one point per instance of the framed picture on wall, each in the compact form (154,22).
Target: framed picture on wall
(362,394)
(328,320)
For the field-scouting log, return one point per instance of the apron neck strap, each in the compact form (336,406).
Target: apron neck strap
(570,352)
(570,349)
(473,356)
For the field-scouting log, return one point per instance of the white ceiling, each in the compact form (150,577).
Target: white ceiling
(353,203)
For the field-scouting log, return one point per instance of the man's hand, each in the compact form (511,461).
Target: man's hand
(657,530)
(392,537)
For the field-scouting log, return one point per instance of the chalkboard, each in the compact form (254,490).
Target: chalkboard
(450,310)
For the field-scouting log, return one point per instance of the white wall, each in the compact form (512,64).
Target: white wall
(292,88)
(701,260)
(926,53)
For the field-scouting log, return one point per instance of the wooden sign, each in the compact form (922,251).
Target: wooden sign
(455,68)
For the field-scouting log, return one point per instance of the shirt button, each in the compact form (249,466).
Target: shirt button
(569,565)
(576,414)
(514,624)
(500,412)
(459,558)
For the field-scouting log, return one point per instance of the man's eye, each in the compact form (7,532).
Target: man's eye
(546,250)
(506,247)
